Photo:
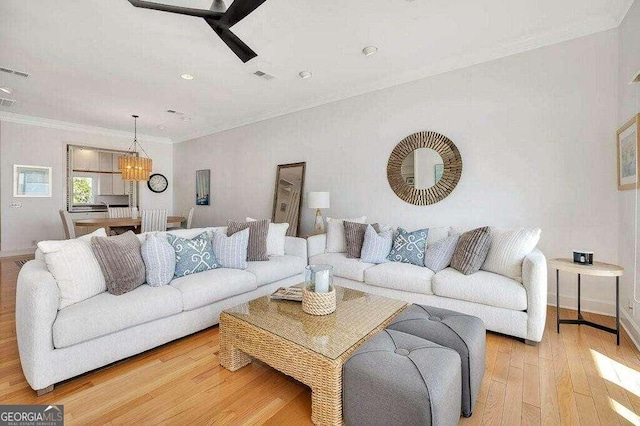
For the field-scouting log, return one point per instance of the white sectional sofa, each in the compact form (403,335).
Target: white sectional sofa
(56,345)
(505,305)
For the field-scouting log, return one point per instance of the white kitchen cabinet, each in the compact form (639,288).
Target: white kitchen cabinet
(106,162)
(118,184)
(87,160)
(105,184)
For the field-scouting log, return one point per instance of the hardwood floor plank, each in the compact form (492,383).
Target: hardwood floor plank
(512,411)
(530,415)
(495,404)
(531,385)
(548,394)
(586,410)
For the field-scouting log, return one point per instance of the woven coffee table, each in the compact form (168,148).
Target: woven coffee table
(311,349)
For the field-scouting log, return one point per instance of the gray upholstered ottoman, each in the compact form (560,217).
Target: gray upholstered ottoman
(395,378)
(463,333)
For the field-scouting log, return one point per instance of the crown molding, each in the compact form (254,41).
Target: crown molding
(619,11)
(66,125)
(531,42)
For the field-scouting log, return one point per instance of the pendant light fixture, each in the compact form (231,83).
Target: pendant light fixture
(133,167)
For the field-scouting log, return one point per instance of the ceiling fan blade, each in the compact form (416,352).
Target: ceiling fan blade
(238,47)
(176,9)
(238,10)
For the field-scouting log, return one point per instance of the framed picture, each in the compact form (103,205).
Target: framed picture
(31,181)
(203,187)
(438,169)
(628,145)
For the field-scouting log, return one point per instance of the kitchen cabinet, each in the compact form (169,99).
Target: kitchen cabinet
(106,162)
(86,160)
(105,184)
(118,184)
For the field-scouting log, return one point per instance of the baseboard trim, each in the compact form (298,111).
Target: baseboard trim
(13,253)
(630,327)
(594,306)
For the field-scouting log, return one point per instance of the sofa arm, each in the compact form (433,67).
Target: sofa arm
(37,298)
(534,279)
(316,244)
(296,247)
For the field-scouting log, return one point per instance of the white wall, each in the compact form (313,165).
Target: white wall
(38,219)
(628,105)
(534,131)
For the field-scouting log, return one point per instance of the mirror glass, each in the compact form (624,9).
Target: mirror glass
(422,168)
(288,196)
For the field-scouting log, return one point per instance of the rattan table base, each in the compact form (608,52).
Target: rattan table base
(240,340)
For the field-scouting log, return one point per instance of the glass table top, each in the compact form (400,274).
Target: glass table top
(356,315)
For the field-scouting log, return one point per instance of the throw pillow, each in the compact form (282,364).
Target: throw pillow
(336,240)
(231,251)
(275,237)
(159,260)
(376,245)
(193,255)
(508,250)
(258,230)
(354,236)
(438,255)
(408,247)
(74,267)
(121,262)
(471,250)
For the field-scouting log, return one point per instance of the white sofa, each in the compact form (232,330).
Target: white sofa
(505,305)
(56,345)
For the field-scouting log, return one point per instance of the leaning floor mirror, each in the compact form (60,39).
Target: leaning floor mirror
(288,196)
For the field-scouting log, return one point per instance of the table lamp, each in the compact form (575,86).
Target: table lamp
(318,200)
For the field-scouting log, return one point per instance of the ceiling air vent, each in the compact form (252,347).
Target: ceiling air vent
(264,75)
(15,72)
(8,103)
(173,111)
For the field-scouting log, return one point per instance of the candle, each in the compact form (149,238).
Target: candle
(322,281)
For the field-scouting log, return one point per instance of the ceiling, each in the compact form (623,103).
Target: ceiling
(96,62)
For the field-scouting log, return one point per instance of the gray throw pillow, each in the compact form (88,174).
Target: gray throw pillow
(438,255)
(120,261)
(193,255)
(258,231)
(159,260)
(376,246)
(408,247)
(471,250)
(231,251)
(354,234)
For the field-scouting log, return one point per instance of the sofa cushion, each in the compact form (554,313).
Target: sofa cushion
(106,313)
(482,287)
(352,269)
(400,276)
(207,287)
(277,268)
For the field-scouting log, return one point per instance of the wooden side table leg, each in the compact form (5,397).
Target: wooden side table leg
(558,300)
(326,399)
(618,311)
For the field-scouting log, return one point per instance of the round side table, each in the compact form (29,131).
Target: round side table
(598,269)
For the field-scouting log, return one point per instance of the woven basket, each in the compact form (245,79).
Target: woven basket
(318,303)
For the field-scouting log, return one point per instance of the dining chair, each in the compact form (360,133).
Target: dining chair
(67,224)
(190,217)
(154,220)
(119,212)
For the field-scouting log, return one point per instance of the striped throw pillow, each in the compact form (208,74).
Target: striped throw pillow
(231,251)
(258,232)
(354,234)
(376,246)
(159,260)
(471,250)
(438,255)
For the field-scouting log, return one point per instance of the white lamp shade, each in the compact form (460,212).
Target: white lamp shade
(318,200)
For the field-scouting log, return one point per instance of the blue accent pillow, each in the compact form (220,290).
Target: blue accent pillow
(193,256)
(159,260)
(409,247)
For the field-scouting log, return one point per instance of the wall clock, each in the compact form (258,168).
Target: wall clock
(157,183)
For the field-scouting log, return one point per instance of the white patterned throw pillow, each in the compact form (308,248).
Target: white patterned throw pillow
(508,249)
(74,267)
(231,251)
(336,239)
(275,237)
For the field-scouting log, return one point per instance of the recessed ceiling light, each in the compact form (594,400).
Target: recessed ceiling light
(370,50)
(7,90)
(187,76)
(305,74)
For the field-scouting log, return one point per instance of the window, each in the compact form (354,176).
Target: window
(31,181)
(83,190)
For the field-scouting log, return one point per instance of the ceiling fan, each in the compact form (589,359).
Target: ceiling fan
(219,17)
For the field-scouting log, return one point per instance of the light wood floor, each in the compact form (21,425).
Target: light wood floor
(577,377)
